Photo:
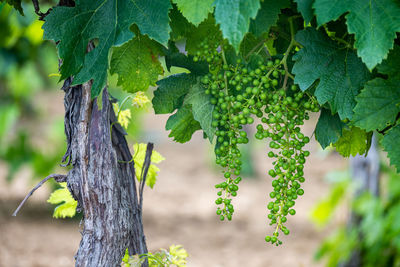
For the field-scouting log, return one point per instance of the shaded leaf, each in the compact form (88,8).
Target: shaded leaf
(305,8)
(267,16)
(391,144)
(171,91)
(329,128)
(341,73)
(377,104)
(182,124)
(234,16)
(202,108)
(374,24)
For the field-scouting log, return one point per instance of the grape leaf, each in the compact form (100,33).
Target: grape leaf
(206,29)
(352,142)
(391,66)
(305,8)
(202,108)
(107,21)
(341,73)
(175,58)
(195,10)
(373,22)
(329,128)
(234,18)
(391,144)
(267,16)
(136,63)
(15,3)
(171,91)
(68,205)
(182,124)
(139,157)
(377,104)
(180,26)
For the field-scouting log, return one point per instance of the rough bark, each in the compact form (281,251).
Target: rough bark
(101,180)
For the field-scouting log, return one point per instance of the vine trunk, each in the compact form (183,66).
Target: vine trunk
(102,179)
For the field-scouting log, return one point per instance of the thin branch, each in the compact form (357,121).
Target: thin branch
(37,10)
(58,177)
(145,169)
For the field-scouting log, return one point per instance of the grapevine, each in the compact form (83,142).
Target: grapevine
(248,63)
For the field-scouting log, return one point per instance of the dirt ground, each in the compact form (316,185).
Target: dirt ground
(179,210)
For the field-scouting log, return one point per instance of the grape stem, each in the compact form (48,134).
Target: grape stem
(285,57)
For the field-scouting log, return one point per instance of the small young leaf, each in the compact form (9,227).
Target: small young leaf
(139,157)
(352,142)
(66,203)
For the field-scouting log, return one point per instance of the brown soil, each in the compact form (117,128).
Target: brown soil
(179,210)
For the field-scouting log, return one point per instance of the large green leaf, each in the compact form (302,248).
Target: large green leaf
(373,22)
(391,144)
(267,16)
(340,72)
(329,128)
(136,63)
(195,10)
(234,18)
(352,142)
(202,108)
(377,104)
(182,124)
(107,21)
(305,8)
(171,91)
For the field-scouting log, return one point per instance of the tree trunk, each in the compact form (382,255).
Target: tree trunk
(102,180)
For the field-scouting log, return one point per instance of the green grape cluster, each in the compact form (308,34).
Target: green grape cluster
(283,114)
(240,94)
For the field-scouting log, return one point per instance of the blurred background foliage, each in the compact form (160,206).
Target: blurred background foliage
(25,64)
(377,236)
